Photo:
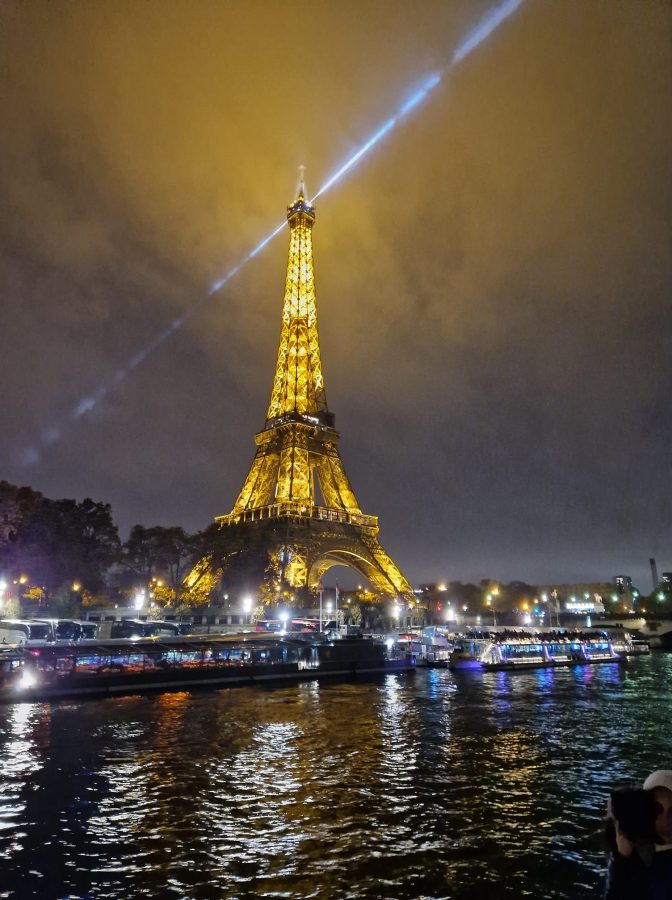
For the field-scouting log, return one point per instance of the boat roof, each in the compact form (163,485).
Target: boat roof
(168,641)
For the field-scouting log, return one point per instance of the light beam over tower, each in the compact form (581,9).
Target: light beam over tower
(490,22)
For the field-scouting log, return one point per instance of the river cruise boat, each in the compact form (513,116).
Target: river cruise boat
(531,651)
(47,671)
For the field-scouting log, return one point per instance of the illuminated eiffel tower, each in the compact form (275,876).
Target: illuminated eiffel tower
(297,515)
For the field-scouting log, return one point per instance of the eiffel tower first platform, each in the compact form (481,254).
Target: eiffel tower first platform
(297,515)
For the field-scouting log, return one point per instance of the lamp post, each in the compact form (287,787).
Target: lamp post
(247,609)
(488,602)
(320,594)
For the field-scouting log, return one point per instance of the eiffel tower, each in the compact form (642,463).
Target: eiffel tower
(297,515)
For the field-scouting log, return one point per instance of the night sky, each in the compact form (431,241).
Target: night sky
(493,279)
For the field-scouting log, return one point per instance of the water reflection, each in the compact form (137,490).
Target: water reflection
(20,759)
(438,786)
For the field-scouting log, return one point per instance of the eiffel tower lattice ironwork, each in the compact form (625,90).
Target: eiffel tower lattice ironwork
(280,523)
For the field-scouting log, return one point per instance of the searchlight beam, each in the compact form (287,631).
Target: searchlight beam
(491,21)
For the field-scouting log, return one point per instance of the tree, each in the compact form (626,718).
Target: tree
(160,553)
(54,542)
(352,612)
(658,603)
(17,505)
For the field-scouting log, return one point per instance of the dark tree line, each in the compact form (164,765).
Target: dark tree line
(61,547)
(55,542)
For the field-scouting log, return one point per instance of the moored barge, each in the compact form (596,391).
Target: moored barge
(43,671)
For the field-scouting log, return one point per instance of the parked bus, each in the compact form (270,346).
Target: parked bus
(305,626)
(269,625)
(128,628)
(75,630)
(18,631)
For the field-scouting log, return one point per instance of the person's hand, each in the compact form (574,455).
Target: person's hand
(624,844)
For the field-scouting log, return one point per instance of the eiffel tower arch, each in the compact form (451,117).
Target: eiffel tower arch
(296,515)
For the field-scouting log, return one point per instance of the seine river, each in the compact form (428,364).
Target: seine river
(464,785)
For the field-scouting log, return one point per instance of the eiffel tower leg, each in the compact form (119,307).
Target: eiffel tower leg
(354,547)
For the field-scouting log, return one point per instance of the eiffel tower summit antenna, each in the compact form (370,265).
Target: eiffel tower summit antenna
(296,514)
(301,188)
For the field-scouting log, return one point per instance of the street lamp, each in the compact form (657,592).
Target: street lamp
(247,608)
(284,618)
(488,602)
(139,600)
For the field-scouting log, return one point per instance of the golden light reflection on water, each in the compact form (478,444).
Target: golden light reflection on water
(433,786)
(20,760)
